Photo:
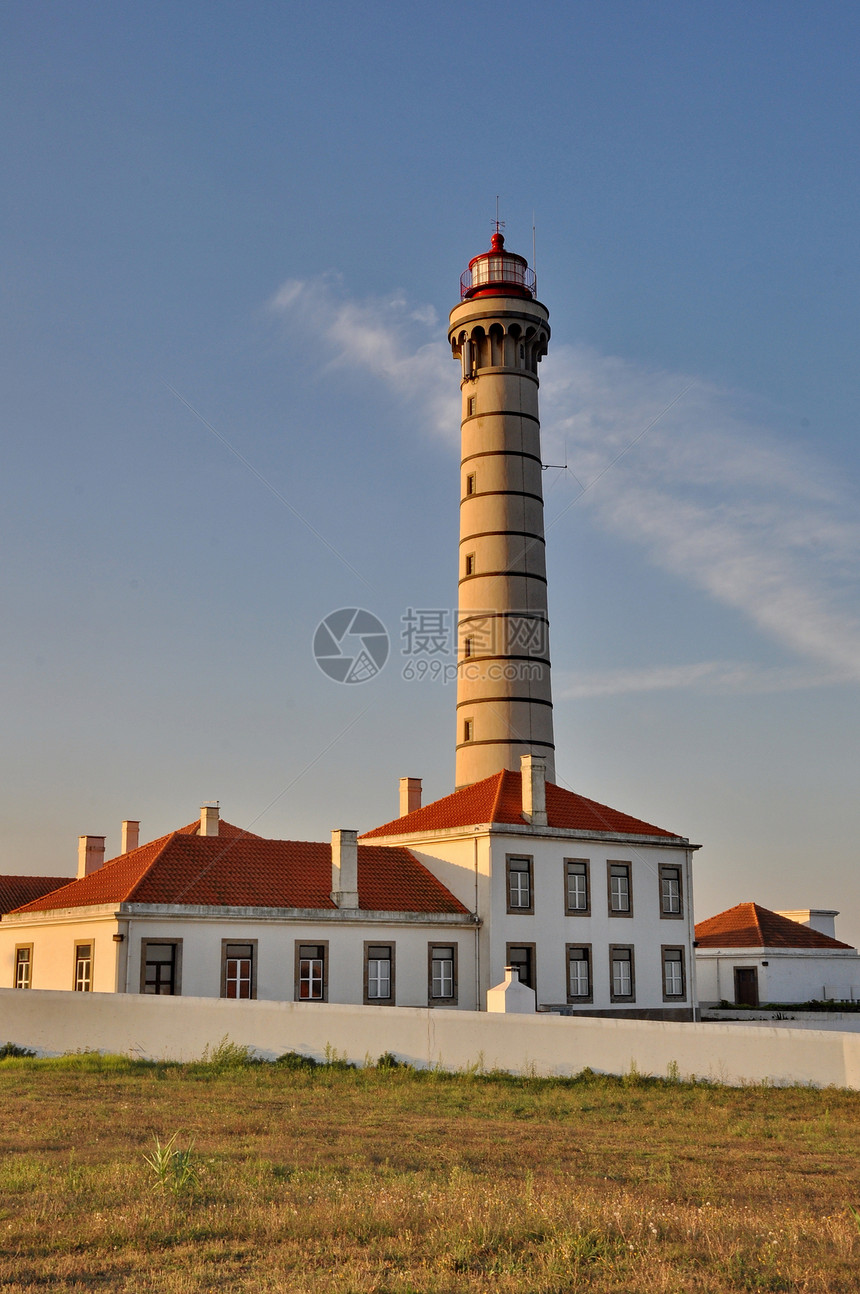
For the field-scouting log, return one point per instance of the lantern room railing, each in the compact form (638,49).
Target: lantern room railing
(495,271)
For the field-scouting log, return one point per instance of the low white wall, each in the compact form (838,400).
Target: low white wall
(178,1028)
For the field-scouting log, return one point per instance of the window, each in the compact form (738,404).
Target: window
(470,483)
(83,968)
(673,972)
(238,969)
(579,973)
(670,892)
(311,972)
(378,973)
(473,404)
(577,900)
(621,973)
(24,966)
(467,647)
(520,897)
(620,904)
(523,957)
(160,963)
(468,730)
(470,563)
(443,973)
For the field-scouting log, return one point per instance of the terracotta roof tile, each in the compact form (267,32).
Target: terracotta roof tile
(499,799)
(748,925)
(237,869)
(15,890)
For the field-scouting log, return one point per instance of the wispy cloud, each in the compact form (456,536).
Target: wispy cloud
(386,337)
(710,493)
(713,677)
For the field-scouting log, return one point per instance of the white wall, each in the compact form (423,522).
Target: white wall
(457,861)
(791,975)
(116,966)
(180,1028)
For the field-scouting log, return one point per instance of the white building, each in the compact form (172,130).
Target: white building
(591,906)
(749,955)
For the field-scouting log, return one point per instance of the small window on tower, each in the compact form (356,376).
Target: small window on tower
(470,563)
(473,405)
(468,730)
(470,483)
(467,646)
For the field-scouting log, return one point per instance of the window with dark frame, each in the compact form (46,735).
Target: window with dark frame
(159,968)
(379,972)
(470,483)
(23,967)
(673,972)
(523,957)
(619,889)
(520,897)
(311,973)
(238,976)
(473,404)
(467,647)
(470,563)
(468,730)
(621,971)
(578,973)
(670,892)
(83,968)
(443,973)
(577,898)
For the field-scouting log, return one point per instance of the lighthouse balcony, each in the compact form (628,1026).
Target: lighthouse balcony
(498,275)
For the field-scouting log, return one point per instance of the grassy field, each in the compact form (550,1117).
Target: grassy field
(386,1180)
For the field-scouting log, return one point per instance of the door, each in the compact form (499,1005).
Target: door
(746,986)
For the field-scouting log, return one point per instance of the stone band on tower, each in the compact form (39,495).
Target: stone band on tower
(499,332)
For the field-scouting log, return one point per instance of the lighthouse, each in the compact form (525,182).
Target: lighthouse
(499,332)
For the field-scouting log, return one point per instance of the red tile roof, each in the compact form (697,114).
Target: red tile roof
(499,799)
(15,890)
(238,869)
(748,925)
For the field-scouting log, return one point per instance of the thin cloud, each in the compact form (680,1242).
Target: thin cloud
(715,677)
(710,493)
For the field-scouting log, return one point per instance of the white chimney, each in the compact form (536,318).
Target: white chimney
(534,789)
(91,854)
(344,868)
(130,836)
(410,795)
(209,819)
(511,997)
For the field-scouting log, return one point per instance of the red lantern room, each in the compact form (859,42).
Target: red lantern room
(498,273)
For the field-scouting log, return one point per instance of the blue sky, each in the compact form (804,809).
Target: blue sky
(233,235)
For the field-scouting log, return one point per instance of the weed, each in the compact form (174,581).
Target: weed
(174,1168)
(227,1055)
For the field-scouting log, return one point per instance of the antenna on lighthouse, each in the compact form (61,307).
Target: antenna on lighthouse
(498,224)
(534,253)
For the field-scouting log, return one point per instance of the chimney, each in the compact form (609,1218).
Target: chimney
(534,789)
(344,868)
(91,854)
(410,795)
(209,819)
(130,836)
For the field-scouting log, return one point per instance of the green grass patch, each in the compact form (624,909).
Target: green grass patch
(299,1175)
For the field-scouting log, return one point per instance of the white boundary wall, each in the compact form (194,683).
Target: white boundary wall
(179,1028)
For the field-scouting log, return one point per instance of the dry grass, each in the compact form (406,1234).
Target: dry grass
(386,1180)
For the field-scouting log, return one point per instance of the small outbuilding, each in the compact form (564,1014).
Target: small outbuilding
(749,955)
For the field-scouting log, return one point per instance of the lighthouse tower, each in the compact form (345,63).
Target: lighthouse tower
(499,332)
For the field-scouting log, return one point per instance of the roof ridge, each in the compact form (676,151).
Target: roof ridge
(501,778)
(163,842)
